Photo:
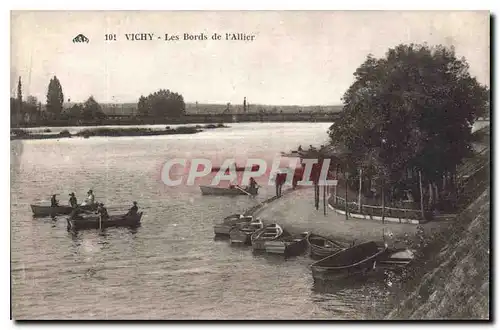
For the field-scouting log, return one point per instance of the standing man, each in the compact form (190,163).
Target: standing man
(72,200)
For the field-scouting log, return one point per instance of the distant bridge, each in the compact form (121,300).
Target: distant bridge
(236,117)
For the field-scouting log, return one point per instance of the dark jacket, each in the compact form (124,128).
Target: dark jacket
(72,201)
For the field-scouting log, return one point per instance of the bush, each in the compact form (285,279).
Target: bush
(65,133)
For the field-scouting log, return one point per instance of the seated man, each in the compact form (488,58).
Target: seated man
(72,200)
(54,202)
(90,198)
(133,210)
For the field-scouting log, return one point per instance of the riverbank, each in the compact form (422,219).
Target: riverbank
(296,212)
(20,134)
(450,280)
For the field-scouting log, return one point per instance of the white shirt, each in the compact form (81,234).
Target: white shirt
(90,199)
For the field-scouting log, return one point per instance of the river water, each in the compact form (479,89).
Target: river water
(171,267)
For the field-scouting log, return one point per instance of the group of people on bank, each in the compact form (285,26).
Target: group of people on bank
(89,201)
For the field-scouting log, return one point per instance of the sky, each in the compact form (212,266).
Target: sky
(296,57)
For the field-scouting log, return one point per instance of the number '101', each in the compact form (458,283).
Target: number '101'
(110,37)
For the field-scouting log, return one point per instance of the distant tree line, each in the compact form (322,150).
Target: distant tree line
(30,112)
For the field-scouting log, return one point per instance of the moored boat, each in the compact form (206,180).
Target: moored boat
(253,168)
(353,261)
(395,259)
(290,246)
(321,247)
(268,233)
(230,222)
(219,191)
(242,233)
(94,222)
(46,211)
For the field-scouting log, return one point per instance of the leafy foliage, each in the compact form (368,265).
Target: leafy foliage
(55,97)
(162,103)
(412,110)
(92,110)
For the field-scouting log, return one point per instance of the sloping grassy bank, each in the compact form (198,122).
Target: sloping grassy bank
(450,278)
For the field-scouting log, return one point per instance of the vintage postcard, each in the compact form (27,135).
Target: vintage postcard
(250,165)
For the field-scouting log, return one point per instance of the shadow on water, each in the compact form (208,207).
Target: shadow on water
(376,279)
(221,238)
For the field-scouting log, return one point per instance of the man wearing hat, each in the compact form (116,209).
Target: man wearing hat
(72,200)
(102,211)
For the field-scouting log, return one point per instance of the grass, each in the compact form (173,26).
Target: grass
(450,277)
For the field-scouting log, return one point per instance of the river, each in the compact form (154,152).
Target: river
(171,267)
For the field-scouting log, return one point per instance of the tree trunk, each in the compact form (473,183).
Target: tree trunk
(421,194)
(436,192)
(431,195)
(383,201)
(346,212)
(360,188)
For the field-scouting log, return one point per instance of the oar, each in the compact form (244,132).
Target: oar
(246,192)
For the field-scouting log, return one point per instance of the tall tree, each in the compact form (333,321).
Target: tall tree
(413,109)
(55,97)
(20,110)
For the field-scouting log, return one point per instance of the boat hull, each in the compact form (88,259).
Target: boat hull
(351,262)
(269,233)
(238,236)
(217,191)
(293,246)
(224,228)
(114,221)
(46,211)
(396,259)
(321,247)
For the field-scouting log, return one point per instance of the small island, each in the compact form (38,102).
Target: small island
(20,134)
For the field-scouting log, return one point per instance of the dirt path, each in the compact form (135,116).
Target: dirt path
(295,211)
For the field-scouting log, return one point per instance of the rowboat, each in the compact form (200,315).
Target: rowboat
(290,246)
(395,259)
(356,260)
(236,191)
(93,222)
(241,234)
(321,247)
(45,211)
(253,168)
(268,233)
(230,222)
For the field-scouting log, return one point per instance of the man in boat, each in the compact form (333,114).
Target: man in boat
(90,198)
(53,201)
(102,211)
(72,200)
(133,210)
